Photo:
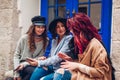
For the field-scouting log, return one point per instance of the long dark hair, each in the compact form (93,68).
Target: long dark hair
(31,42)
(53,24)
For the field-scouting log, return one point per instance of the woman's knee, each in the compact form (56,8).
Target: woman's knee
(42,78)
(39,72)
(48,77)
(28,69)
(62,74)
(61,71)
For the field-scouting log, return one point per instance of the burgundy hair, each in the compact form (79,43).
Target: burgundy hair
(83,31)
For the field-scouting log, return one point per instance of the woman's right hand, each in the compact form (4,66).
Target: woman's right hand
(42,58)
(32,62)
(70,65)
(17,78)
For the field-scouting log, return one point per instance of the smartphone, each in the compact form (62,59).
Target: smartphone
(17,68)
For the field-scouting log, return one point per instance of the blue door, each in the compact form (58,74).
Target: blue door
(98,10)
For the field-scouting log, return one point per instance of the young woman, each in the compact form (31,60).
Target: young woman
(92,63)
(61,37)
(31,45)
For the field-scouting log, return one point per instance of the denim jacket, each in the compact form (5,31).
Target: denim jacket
(62,47)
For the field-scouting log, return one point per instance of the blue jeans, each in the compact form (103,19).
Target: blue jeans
(45,74)
(65,76)
(27,72)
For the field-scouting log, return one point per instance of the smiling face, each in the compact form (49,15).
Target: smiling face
(60,29)
(39,30)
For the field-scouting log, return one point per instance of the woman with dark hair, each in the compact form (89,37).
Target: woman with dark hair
(33,45)
(61,37)
(92,63)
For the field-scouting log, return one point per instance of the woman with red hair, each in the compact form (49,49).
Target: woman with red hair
(92,62)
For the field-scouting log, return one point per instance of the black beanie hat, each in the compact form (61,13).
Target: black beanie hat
(38,20)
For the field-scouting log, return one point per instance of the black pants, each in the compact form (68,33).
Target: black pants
(27,72)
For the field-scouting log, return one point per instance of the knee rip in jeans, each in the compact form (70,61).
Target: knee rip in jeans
(61,71)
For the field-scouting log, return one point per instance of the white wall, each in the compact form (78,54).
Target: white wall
(27,9)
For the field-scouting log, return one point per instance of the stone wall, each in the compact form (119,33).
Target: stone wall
(115,54)
(9,33)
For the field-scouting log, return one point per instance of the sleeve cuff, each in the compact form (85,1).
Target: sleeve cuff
(85,69)
(39,63)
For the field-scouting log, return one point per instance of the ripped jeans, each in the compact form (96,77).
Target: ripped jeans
(41,73)
(66,75)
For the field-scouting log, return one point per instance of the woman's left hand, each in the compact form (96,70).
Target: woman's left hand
(69,65)
(32,62)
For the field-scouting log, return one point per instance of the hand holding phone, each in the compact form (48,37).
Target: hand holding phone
(17,68)
(32,62)
(20,67)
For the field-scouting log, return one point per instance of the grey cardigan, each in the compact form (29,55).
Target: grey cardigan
(22,51)
(61,47)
